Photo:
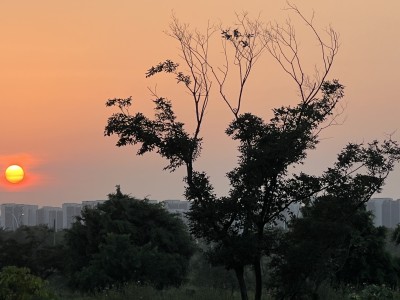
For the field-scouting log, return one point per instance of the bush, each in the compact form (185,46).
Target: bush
(19,284)
(373,292)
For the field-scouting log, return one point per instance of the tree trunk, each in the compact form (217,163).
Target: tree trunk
(242,285)
(258,274)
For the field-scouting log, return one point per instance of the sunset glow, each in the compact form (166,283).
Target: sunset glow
(14,174)
(62,60)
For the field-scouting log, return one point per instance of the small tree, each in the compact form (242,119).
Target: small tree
(236,226)
(127,240)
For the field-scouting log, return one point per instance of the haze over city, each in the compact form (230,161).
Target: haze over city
(61,61)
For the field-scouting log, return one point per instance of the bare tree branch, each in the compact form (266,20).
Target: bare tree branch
(281,42)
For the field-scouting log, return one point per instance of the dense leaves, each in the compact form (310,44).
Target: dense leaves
(334,241)
(163,134)
(33,248)
(19,284)
(125,240)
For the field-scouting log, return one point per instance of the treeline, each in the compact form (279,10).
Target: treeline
(123,240)
(129,241)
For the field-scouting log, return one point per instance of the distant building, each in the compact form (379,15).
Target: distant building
(11,215)
(380,211)
(70,212)
(51,217)
(29,214)
(386,211)
(15,215)
(176,206)
(395,213)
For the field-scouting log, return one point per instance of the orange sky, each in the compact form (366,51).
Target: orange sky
(61,60)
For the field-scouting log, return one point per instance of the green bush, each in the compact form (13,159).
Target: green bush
(19,284)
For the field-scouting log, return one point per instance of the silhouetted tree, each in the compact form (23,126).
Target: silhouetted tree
(334,241)
(238,226)
(127,240)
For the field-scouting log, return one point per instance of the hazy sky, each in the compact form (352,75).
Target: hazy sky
(61,60)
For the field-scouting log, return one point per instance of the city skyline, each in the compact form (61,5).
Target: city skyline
(386,212)
(13,215)
(62,61)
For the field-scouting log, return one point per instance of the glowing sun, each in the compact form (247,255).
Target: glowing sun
(14,174)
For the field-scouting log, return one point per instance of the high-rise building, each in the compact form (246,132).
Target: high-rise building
(15,215)
(70,212)
(386,206)
(11,215)
(386,211)
(29,215)
(375,205)
(394,213)
(51,217)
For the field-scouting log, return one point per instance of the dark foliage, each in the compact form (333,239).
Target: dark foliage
(33,248)
(334,241)
(19,284)
(127,240)
(163,134)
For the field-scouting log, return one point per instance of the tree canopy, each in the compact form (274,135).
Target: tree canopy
(335,242)
(127,240)
(32,247)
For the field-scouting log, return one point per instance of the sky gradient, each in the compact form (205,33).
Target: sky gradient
(61,60)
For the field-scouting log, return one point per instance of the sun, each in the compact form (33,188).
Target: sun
(14,174)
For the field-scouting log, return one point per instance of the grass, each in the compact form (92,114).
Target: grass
(132,291)
(146,292)
(136,292)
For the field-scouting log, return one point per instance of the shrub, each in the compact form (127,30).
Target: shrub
(19,284)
